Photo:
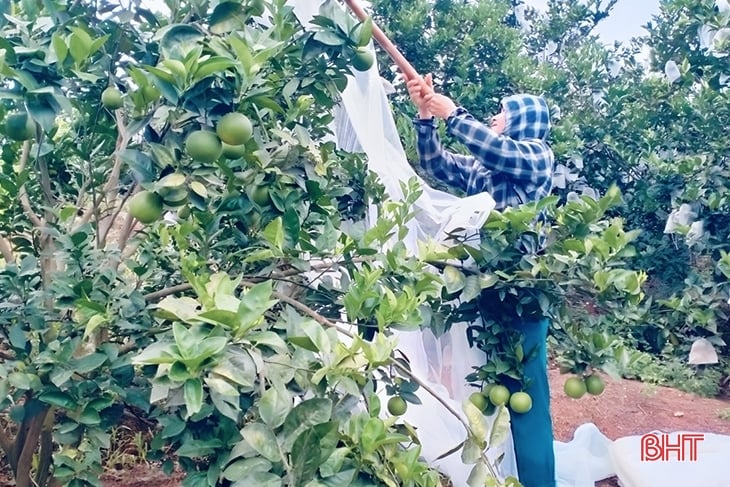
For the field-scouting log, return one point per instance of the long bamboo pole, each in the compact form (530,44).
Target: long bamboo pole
(406,67)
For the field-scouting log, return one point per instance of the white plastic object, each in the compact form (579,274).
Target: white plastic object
(710,468)
(585,459)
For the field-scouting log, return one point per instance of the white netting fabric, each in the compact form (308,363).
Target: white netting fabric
(364,123)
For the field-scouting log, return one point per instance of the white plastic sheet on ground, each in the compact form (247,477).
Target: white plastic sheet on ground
(585,459)
(711,467)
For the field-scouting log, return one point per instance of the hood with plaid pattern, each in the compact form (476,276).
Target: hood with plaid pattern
(527,117)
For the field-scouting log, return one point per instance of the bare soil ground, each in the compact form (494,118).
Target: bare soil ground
(625,408)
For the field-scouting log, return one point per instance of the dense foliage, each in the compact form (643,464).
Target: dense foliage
(225,284)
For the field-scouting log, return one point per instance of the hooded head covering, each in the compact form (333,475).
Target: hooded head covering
(527,117)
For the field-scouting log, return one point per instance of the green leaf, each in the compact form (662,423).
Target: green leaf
(90,417)
(317,334)
(372,434)
(238,367)
(229,319)
(274,233)
(59,47)
(243,53)
(94,322)
(275,405)
(454,279)
(214,65)
(254,303)
(241,469)
(329,38)
(308,413)
(478,475)
(17,337)
(141,165)
(262,439)
(472,451)
(79,45)
(24,381)
(172,426)
(306,456)
(44,108)
(365,32)
(57,398)
(472,289)
(334,463)
(500,428)
(476,419)
(97,43)
(178,40)
(88,363)
(487,280)
(291,228)
(260,479)
(227,17)
(182,309)
(193,393)
(268,339)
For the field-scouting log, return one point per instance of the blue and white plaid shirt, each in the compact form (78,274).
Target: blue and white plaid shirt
(515,167)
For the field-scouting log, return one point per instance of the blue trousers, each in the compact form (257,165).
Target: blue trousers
(532,432)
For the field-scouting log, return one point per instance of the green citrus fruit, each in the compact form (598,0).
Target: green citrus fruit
(233,151)
(363,59)
(397,406)
(499,395)
(520,402)
(260,195)
(19,126)
(234,128)
(574,387)
(203,146)
(111,98)
(479,400)
(146,207)
(594,385)
(489,410)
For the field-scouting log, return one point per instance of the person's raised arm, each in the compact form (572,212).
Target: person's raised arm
(453,169)
(498,153)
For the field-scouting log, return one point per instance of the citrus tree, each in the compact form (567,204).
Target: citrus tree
(182,241)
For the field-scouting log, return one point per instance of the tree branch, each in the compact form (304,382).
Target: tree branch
(111,189)
(126,232)
(7,250)
(153,296)
(22,193)
(45,180)
(45,456)
(27,449)
(114,217)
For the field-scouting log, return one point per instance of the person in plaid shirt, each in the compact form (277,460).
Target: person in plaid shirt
(510,158)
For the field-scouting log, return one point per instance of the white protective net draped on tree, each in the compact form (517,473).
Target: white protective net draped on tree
(364,123)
